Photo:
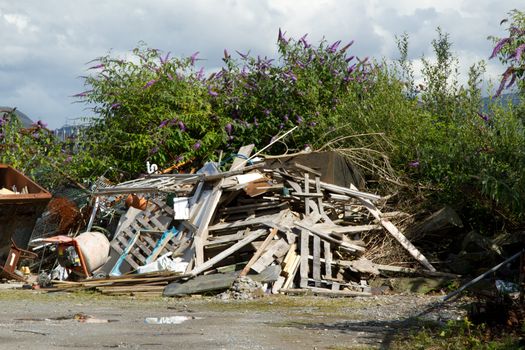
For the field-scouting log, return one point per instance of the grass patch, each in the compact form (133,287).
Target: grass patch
(355,347)
(457,335)
(312,304)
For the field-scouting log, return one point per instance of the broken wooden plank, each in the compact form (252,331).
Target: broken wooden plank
(327,259)
(289,258)
(316,265)
(265,219)
(278,250)
(225,238)
(259,252)
(293,271)
(352,191)
(327,292)
(393,230)
(307,169)
(349,246)
(305,252)
(217,258)
(338,229)
(306,192)
(241,159)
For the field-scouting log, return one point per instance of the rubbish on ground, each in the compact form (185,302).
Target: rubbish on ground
(169,319)
(281,223)
(83,254)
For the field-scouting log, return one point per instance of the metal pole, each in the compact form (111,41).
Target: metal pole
(480,277)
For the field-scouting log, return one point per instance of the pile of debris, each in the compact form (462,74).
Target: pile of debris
(283,222)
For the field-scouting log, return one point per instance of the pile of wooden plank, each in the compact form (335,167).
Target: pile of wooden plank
(278,223)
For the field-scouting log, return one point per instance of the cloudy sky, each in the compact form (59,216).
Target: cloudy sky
(45,45)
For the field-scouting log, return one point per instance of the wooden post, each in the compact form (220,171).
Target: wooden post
(304,258)
(316,264)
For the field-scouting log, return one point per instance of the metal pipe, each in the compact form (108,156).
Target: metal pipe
(480,277)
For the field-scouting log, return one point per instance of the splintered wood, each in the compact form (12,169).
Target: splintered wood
(250,220)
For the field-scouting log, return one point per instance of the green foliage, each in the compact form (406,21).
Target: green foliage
(160,109)
(35,151)
(457,335)
(150,108)
(472,158)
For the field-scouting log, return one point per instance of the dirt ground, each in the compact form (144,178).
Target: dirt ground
(34,320)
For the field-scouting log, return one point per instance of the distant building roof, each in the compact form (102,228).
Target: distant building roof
(24,119)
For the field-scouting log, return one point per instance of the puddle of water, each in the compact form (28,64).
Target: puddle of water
(169,319)
(79,317)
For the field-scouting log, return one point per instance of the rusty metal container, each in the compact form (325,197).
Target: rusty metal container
(19,212)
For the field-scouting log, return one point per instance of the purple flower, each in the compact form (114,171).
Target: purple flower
(281,126)
(149,83)
(197,145)
(115,105)
(182,127)
(164,123)
(40,124)
(290,76)
(200,73)
(165,59)
(349,59)
(255,122)
(483,116)
(281,38)
(69,159)
(363,61)
(312,124)
(97,66)
(83,94)
(332,48)
(170,77)
(499,46)
(267,112)
(226,54)
(505,77)
(414,164)
(193,58)
(154,150)
(243,55)
(228,128)
(347,46)
(285,118)
(304,42)
(519,51)
(212,93)
(299,119)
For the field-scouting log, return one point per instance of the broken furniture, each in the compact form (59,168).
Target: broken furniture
(8,270)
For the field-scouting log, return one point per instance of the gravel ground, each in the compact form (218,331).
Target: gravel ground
(34,320)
